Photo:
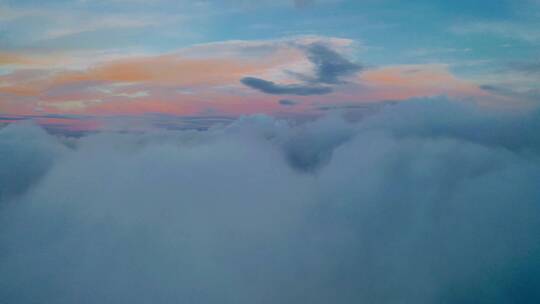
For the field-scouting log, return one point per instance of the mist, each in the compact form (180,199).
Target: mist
(424,201)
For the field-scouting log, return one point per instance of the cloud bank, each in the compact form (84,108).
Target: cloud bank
(428,201)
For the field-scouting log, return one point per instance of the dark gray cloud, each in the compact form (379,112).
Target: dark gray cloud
(523,94)
(426,201)
(368,107)
(527,67)
(270,87)
(330,68)
(287,102)
(495,89)
(11,118)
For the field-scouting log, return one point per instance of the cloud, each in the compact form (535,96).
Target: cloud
(426,201)
(190,80)
(270,87)
(401,82)
(71,26)
(13,59)
(287,102)
(526,67)
(213,64)
(303,3)
(330,66)
(26,154)
(513,30)
(329,69)
(493,88)
(508,90)
(211,71)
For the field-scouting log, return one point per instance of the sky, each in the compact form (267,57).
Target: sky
(67,59)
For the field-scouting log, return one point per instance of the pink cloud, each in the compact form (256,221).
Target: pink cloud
(206,77)
(406,81)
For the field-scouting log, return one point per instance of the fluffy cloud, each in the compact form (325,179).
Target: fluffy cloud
(26,154)
(427,201)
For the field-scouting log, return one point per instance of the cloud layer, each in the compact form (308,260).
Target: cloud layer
(229,78)
(428,201)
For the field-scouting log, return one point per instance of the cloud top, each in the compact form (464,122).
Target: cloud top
(428,201)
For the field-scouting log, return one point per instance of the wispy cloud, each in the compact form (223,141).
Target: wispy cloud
(515,93)
(194,79)
(512,30)
(288,102)
(270,87)
(530,67)
(303,3)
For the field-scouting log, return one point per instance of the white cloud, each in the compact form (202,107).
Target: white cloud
(425,202)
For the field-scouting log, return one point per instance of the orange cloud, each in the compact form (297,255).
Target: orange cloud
(64,91)
(25,82)
(188,84)
(9,58)
(406,81)
(31,60)
(176,70)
